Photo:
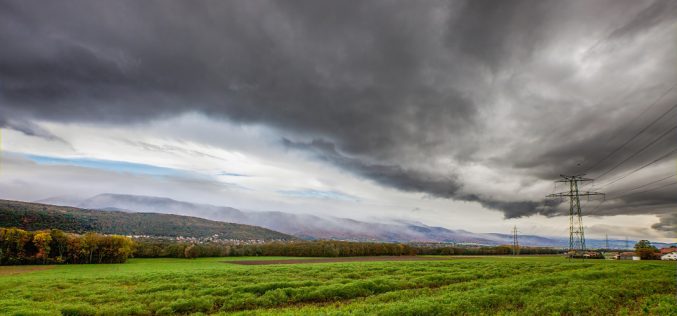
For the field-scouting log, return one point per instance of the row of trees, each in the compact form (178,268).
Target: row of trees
(486,250)
(323,248)
(18,246)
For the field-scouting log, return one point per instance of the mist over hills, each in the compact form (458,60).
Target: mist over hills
(309,226)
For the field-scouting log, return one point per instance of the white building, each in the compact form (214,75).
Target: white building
(669,256)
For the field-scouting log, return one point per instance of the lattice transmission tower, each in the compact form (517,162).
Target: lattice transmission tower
(576,233)
(515,243)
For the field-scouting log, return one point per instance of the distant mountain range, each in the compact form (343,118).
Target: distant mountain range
(34,216)
(308,226)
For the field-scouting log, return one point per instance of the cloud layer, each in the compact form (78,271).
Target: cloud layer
(415,96)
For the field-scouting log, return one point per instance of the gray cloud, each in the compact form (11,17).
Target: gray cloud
(435,184)
(29,128)
(667,223)
(393,87)
(652,15)
(390,175)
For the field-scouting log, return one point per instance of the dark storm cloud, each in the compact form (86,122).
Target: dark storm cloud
(389,175)
(653,14)
(397,177)
(29,128)
(393,86)
(668,223)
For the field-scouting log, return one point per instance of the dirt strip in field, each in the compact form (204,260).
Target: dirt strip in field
(11,270)
(343,259)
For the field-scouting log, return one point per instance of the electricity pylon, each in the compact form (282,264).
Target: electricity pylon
(606,238)
(515,243)
(576,233)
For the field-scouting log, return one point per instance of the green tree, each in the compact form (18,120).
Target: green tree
(122,248)
(73,254)
(645,250)
(89,243)
(59,244)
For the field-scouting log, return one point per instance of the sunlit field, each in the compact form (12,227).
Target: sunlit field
(487,285)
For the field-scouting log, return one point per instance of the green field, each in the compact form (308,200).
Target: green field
(487,285)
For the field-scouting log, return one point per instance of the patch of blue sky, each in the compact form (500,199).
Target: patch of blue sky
(319,194)
(231,174)
(108,165)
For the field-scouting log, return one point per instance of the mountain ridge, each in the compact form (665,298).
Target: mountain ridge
(38,216)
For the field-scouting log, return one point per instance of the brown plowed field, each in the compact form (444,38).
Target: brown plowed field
(343,259)
(10,270)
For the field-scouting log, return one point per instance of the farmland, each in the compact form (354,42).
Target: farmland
(452,285)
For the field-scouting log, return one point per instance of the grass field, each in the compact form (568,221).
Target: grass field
(460,286)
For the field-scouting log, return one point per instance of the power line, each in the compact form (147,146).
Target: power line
(598,206)
(642,130)
(641,150)
(648,184)
(636,135)
(623,194)
(640,168)
(645,191)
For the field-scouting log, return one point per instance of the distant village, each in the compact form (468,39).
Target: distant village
(214,239)
(667,253)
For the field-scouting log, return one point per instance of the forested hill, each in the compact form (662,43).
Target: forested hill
(34,216)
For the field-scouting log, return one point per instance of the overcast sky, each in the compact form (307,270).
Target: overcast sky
(459,114)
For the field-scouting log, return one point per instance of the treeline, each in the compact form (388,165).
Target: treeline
(323,248)
(486,250)
(18,246)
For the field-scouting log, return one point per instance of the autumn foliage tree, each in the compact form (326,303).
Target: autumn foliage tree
(41,240)
(190,252)
(18,246)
